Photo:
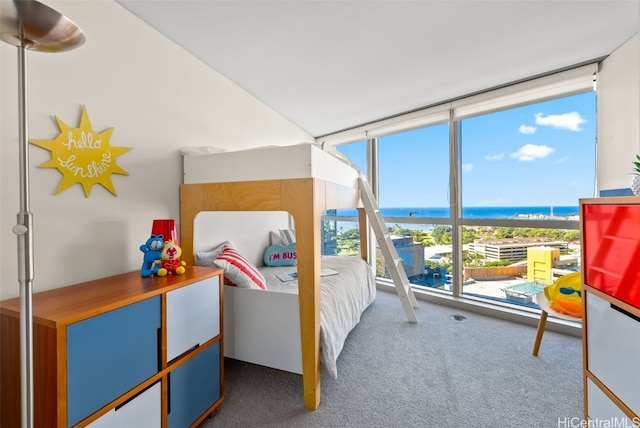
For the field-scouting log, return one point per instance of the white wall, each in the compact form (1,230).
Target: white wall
(618,126)
(158,98)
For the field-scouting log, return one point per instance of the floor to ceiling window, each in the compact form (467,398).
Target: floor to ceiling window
(469,196)
(531,165)
(340,233)
(413,195)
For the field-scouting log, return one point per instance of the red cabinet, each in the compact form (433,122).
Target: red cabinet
(610,232)
(611,249)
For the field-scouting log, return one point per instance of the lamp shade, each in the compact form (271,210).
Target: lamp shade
(166,228)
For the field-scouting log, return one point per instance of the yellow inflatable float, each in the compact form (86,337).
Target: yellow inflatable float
(565,295)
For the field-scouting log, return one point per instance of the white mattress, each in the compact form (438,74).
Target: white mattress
(263,327)
(343,299)
(269,163)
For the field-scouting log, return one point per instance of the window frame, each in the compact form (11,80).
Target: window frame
(551,86)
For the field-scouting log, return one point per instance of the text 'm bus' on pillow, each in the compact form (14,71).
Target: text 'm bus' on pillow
(280,255)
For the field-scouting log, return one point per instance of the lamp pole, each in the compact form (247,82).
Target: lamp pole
(23,230)
(31,25)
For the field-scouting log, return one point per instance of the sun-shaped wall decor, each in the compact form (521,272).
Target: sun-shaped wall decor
(83,156)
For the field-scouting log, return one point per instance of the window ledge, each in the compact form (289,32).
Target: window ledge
(505,311)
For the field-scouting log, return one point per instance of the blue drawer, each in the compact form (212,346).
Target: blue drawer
(194,387)
(109,354)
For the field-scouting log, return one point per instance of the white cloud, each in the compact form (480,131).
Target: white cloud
(570,121)
(494,157)
(467,166)
(531,152)
(525,129)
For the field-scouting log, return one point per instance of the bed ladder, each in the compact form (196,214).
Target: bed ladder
(393,261)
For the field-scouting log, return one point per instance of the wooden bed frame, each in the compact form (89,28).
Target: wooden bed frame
(305,199)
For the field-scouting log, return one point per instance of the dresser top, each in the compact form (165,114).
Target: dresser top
(72,303)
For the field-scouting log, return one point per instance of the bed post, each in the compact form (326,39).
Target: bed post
(307,216)
(364,234)
(190,206)
(304,199)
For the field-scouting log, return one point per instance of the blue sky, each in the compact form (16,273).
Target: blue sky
(539,154)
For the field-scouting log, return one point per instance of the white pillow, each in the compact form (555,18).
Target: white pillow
(206,258)
(274,237)
(239,271)
(201,150)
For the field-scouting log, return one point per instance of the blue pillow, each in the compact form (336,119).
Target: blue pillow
(280,255)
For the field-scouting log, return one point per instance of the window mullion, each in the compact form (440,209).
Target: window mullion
(455,204)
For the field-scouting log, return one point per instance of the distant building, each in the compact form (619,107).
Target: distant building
(411,253)
(329,238)
(512,249)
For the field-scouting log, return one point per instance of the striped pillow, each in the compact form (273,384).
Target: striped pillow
(288,236)
(238,271)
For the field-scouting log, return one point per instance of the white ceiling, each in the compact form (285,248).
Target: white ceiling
(332,65)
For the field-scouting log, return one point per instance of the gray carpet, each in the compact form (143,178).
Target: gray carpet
(438,373)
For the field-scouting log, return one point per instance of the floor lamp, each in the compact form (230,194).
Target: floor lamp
(30,25)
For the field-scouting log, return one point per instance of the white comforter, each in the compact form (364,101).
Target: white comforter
(343,299)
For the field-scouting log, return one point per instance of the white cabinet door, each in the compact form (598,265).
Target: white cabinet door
(613,347)
(604,412)
(144,410)
(193,316)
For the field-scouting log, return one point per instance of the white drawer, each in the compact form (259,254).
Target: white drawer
(193,316)
(613,349)
(141,411)
(604,412)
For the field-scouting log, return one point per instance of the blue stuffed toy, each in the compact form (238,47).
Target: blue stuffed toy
(152,250)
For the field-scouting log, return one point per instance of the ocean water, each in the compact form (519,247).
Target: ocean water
(475,212)
(534,212)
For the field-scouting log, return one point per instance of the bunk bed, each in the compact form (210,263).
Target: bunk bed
(259,189)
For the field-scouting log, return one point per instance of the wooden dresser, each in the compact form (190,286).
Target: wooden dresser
(610,229)
(125,350)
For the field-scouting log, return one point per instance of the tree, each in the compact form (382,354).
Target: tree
(350,234)
(495,263)
(468,235)
(503,232)
(442,234)
(571,235)
(472,259)
(348,242)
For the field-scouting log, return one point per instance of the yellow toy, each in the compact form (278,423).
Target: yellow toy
(565,295)
(170,262)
